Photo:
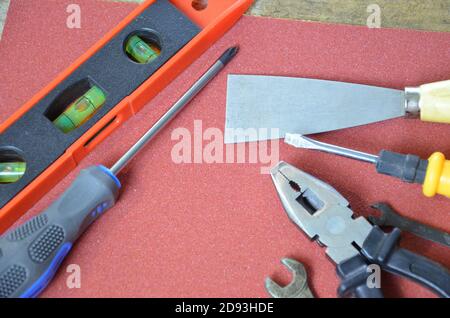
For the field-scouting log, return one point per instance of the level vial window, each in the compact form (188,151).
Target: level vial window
(11,172)
(141,50)
(81,110)
(12,166)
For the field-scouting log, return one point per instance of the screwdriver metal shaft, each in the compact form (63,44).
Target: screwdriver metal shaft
(433,174)
(300,141)
(175,109)
(31,254)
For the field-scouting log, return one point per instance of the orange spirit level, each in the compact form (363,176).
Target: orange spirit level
(49,135)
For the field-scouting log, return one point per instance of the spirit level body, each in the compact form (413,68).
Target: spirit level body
(212,22)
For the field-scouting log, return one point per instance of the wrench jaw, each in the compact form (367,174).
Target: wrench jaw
(297,288)
(320,211)
(275,290)
(383,218)
(390,217)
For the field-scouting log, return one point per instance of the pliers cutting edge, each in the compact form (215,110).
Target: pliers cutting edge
(351,242)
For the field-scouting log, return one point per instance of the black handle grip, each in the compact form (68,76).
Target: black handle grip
(381,248)
(354,274)
(31,254)
(408,168)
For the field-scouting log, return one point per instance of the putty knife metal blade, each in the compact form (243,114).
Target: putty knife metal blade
(303,106)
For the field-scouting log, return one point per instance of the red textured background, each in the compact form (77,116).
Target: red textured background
(218,230)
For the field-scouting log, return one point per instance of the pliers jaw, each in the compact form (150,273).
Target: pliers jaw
(284,175)
(320,211)
(352,243)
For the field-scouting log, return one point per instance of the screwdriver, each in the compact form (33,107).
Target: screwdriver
(31,254)
(433,173)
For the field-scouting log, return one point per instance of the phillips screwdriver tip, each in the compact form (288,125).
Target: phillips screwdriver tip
(229,54)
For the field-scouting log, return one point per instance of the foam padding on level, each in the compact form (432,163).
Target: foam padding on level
(110,69)
(217,230)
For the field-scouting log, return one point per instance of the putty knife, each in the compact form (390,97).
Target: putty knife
(306,106)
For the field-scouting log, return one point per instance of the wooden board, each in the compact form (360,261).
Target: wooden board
(432,15)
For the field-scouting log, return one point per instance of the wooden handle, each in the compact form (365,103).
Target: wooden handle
(435,102)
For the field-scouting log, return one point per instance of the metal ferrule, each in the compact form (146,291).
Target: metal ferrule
(412,101)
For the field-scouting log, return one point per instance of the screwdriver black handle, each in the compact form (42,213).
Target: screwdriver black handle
(31,254)
(408,168)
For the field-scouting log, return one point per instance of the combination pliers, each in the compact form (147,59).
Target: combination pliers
(354,244)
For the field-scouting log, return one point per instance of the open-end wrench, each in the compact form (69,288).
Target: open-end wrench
(351,242)
(297,288)
(389,217)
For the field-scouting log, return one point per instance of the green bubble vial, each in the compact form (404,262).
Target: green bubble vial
(81,110)
(140,50)
(11,172)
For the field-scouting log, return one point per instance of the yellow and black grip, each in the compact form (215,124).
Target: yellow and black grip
(433,173)
(31,254)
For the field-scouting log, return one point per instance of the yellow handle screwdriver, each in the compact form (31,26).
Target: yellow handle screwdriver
(433,173)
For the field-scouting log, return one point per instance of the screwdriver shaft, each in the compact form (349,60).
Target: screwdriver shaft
(174,110)
(300,141)
(28,265)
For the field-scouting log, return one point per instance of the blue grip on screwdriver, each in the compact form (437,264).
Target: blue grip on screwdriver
(31,254)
